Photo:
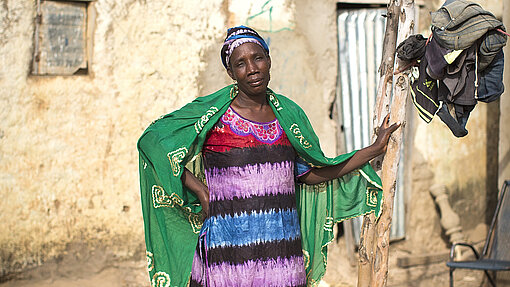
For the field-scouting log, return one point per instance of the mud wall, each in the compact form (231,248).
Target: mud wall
(68,171)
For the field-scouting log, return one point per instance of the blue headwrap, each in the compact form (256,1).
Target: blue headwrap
(236,36)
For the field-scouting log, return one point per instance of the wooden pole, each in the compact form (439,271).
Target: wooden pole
(392,157)
(375,236)
(367,236)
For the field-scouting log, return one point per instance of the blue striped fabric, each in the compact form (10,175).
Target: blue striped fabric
(253,228)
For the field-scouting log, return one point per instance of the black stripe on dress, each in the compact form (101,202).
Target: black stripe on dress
(193,283)
(257,204)
(258,154)
(260,251)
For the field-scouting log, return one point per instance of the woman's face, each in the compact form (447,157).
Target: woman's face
(249,66)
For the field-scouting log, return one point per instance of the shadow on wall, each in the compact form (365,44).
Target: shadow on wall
(214,76)
(492,154)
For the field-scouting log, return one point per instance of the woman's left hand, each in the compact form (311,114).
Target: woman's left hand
(383,135)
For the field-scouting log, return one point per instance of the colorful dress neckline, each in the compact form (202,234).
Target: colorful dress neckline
(268,132)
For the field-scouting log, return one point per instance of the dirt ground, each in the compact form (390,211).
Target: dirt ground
(96,270)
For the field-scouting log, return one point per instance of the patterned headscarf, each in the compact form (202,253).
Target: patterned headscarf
(237,36)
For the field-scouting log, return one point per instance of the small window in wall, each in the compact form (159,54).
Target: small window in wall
(60,40)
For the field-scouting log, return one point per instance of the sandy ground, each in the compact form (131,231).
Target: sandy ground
(92,271)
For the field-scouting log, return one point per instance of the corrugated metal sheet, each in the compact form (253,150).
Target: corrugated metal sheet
(360,41)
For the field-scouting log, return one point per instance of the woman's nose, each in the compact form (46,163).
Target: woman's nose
(251,67)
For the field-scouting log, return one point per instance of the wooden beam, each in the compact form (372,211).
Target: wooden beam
(401,15)
(367,237)
(392,157)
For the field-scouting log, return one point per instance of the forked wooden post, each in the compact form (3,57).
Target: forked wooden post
(375,234)
(367,237)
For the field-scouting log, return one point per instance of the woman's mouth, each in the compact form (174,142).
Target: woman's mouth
(256,83)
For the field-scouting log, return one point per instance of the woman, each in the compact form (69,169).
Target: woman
(270,198)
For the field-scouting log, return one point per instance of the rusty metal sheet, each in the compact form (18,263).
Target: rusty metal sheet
(62,39)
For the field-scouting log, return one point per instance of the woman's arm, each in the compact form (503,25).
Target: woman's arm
(199,188)
(318,175)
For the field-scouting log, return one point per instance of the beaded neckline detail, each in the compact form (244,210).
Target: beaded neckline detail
(265,132)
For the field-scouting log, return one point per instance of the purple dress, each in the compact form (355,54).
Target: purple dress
(252,236)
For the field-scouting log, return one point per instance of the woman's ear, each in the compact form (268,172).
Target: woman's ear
(230,74)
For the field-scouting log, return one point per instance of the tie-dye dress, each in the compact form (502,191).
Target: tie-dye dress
(252,236)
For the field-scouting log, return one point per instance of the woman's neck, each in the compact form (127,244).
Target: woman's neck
(253,102)
(254,108)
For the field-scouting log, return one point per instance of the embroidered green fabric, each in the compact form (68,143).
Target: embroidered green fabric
(171,213)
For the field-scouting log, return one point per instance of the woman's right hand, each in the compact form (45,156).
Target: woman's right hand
(205,206)
(192,183)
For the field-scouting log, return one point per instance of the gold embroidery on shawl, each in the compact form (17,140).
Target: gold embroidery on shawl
(175,157)
(161,279)
(320,187)
(294,128)
(312,165)
(195,219)
(199,125)
(275,101)
(150,260)
(160,199)
(372,196)
(306,257)
(369,179)
(328,225)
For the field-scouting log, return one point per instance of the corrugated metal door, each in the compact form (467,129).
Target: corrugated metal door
(360,41)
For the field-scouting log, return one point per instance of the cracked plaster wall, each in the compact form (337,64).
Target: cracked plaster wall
(68,159)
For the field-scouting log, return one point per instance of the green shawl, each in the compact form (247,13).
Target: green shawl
(171,212)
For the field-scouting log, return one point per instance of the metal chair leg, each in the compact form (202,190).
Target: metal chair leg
(490,278)
(451,277)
